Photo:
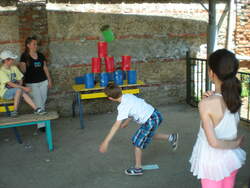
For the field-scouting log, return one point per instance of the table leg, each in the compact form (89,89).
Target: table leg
(74,105)
(80,105)
(49,135)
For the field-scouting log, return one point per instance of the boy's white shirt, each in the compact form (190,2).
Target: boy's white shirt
(134,107)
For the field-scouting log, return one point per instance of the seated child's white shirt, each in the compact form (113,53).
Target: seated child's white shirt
(134,107)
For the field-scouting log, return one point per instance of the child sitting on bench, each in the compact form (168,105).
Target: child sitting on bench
(11,84)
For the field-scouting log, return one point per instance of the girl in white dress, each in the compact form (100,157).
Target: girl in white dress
(216,155)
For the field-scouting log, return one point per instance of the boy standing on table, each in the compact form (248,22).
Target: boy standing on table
(148,118)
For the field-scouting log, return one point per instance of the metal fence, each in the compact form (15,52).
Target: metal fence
(198,83)
(245,94)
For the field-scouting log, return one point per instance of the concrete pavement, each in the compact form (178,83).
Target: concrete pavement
(76,162)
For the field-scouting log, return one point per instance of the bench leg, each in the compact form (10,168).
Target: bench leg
(49,135)
(74,105)
(7,109)
(18,137)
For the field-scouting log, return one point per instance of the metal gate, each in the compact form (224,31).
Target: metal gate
(197,79)
(198,83)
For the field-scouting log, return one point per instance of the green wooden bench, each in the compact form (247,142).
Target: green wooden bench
(31,119)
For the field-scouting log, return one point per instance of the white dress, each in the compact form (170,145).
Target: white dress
(216,164)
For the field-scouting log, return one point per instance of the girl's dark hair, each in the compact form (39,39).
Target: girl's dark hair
(26,51)
(225,65)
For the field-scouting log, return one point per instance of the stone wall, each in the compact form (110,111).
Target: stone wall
(157,44)
(9,36)
(14,2)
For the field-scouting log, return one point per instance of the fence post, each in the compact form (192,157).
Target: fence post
(208,85)
(188,78)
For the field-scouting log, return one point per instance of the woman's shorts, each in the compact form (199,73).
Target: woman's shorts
(144,134)
(10,93)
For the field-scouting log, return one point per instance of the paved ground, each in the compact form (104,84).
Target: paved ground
(76,162)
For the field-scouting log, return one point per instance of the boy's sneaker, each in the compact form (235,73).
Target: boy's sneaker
(14,114)
(40,111)
(173,140)
(134,171)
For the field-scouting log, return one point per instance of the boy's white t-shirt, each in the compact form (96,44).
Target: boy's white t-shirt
(134,107)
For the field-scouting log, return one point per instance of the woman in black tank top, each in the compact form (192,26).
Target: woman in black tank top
(33,64)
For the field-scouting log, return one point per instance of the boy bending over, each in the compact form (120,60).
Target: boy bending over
(148,118)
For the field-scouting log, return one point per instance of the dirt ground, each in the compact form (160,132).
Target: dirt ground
(76,162)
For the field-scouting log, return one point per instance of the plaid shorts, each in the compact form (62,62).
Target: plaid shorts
(144,134)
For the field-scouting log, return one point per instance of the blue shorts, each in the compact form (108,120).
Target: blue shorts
(10,93)
(144,134)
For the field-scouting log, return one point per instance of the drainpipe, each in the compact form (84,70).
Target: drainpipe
(212,28)
(212,35)
(230,25)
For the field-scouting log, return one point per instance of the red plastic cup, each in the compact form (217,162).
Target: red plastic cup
(126,63)
(96,64)
(110,65)
(102,49)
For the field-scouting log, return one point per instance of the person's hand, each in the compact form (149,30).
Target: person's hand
(27,89)
(49,84)
(103,147)
(124,125)
(207,94)
(240,140)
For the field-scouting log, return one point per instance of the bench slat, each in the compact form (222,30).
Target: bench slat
(28,118)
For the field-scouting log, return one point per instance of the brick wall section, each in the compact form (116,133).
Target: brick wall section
(33,21)
(242,34)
